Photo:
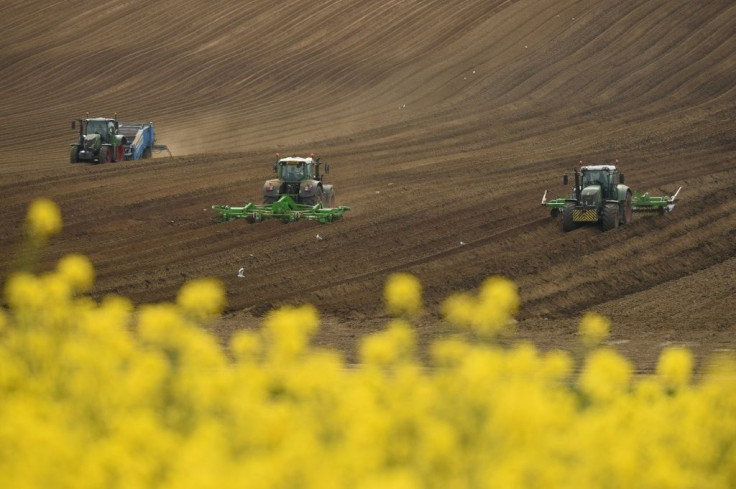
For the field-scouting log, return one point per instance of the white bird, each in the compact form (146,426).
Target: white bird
(241,272)
(319,237)
(462,243)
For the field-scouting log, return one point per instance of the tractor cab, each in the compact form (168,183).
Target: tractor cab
(297,177)
(90,128)
(602,176)
(106,128)
(296,169)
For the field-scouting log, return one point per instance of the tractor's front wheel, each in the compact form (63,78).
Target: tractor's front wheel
(104,155)
(610,216)
(568,224)
(74,154)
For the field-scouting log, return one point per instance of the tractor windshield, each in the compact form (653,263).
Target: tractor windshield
(596,178)
(98,127)
(295,172)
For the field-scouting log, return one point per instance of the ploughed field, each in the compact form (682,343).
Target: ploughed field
(443,123)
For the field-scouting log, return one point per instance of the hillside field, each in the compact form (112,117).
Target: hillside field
(443,121)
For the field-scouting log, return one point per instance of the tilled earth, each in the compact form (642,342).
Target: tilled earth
(443,121)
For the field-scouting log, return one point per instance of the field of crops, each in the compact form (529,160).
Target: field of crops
(444,122)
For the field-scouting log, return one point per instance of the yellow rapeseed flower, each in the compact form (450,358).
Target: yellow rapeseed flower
(501,293)
(606,374)
(490,313)
(289,330)
(449,351)
(246,345)
(388,347)
(160,324)
(22,291)
(594,328)
(202,298)
(558,365)
(675,366)
(43,219)
(459,309)
(403,294)
(77,270)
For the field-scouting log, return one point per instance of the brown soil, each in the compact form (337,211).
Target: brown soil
(444,122)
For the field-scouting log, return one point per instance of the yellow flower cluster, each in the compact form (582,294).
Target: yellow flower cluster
(594,328)
(43,219)
(106,395)
(488,314)
(403,294)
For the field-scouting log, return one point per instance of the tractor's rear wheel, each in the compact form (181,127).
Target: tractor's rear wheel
(610,216)
(329,199)
(315,199)
(627,212)
(74,154)
(568,224)
(118,154)
(269,200)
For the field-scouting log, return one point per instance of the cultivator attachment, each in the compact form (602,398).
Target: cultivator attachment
(284,209)
(639,203)
(647,203)
(555,205)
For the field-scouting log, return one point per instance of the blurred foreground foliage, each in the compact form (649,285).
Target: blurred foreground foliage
(106,395)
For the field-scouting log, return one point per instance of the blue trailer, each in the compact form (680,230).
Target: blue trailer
(140,140)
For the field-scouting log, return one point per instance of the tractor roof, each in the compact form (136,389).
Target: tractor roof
(296,159)
(599,168)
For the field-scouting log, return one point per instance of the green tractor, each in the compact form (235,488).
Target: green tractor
(600,196)
(98,140)
(297,193)
(300,179)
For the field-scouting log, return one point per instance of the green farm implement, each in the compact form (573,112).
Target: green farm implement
(297,193)
(597,196)
(284,209)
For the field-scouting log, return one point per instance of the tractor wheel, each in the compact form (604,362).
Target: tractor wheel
(329,199)
(146,153)
(627,213)
(269,200)
(313,200)
(567,221)
(118,154)
(610,216)
(104,156)
(74,154)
